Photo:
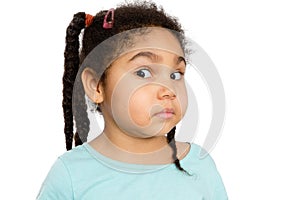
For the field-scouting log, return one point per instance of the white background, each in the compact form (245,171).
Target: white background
(255,46)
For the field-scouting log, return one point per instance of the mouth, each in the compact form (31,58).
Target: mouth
(165,113)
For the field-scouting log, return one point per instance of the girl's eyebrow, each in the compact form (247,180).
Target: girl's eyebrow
(154,57)
(181,59)
(151,56)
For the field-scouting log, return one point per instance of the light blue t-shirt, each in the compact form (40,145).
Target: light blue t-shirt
(83,173)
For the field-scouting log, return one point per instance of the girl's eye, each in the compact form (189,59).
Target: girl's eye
(144,73)
(176,75)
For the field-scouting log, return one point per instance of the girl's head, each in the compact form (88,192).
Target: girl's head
(143,92)
(133,71)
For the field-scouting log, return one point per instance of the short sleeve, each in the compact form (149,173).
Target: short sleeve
(58,184)
(219,191)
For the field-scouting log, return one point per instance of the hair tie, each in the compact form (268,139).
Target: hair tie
(88,19)
(109,24)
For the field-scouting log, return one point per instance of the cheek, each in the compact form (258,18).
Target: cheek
(182,99)
(140,104)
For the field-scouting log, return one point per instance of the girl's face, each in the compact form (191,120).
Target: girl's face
(145,93)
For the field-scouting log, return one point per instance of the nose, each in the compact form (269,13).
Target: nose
(165,93)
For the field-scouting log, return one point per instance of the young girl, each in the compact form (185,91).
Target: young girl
(131,67)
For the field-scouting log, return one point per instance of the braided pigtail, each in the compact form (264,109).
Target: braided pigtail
(82,121)
(71,66)
(171,141)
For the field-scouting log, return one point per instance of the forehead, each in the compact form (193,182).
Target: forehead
(157,38)
(152,55)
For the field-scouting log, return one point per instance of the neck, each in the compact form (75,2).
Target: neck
(122,147)
(132,144)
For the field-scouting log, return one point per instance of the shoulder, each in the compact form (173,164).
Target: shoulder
(195,158)
(200,163)
(78,151)
(76,156)
(61,167)
(68,158)
(65,165)
(186,150)
(200,158)
(62,176)
(58,184)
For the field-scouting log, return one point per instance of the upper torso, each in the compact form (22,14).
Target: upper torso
(84,173)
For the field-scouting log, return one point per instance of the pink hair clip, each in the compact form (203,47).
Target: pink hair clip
(109,24)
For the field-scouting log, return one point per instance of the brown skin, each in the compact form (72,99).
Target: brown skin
(154,104)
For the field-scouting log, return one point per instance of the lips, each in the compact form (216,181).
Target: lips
(165,113)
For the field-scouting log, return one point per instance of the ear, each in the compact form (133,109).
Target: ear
(90,84)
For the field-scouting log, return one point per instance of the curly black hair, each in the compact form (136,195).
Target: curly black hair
(126,17)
